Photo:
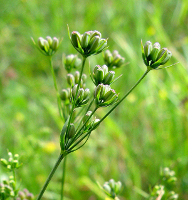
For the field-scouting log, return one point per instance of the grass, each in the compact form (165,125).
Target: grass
(151,130)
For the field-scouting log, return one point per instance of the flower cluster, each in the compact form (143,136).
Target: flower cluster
(89,43)
(153,56)
(104,95)
(164,189)
(71,61)
(12,163)
(8,188)
(102,75)
(113,60)
(48,46)
(25,195)
(112,188)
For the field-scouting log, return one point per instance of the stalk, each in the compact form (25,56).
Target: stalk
(51,175)
(123,97)
(71,148)
(63,177)
(56,88)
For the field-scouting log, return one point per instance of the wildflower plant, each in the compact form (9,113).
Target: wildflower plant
(164,190)
(111,188)
(9,188)
(78,104)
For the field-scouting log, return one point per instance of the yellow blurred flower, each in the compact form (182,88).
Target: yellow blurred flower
(49,147)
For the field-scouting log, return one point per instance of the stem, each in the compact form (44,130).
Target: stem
(122,98)
(51,175)
(73,106)
(56,88)
(63,177)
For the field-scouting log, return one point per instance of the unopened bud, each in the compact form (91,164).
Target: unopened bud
(109,77)
(77,76)
(72,131)
(147,48)
(70,80)
(64,95)
(49,39)
(4,162)
(94,42)
(55,44)
(85,40)
(75,38)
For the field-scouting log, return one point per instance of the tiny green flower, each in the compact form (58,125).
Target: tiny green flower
(89,43)
(101,75)
(104,95)
(82,96)
(71,61)
(47,46)
(113,60)
(153,57)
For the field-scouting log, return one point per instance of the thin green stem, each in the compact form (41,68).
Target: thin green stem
(63,177)
(122,98)
(56,88)
(78,135)
(74,102)
(51,175)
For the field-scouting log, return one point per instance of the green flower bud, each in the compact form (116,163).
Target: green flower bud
(105,69)
(72,131)
(15,164)
(111,183)
(154,53)
(77,76)
(70,80)
(4,162)
(101,46)
(95,33)
(117,187)
(109,95)
(74,89)
(49,39)
(85,40)
(76,39)
(80,94)
(104,90)
(109,77)
(167,57)
(64,95)
(98,74)
(46,46)
(107,188)
(115,53)
(120,62)
(97,91)
(86,93)
(108,58)
(41,42)
(55,44)
(94,42)
(147,48)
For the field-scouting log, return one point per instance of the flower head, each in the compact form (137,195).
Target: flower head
(153,56)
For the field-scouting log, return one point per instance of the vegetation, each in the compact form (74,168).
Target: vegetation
(148,131)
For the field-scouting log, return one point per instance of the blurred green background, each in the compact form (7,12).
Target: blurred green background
(148,131)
